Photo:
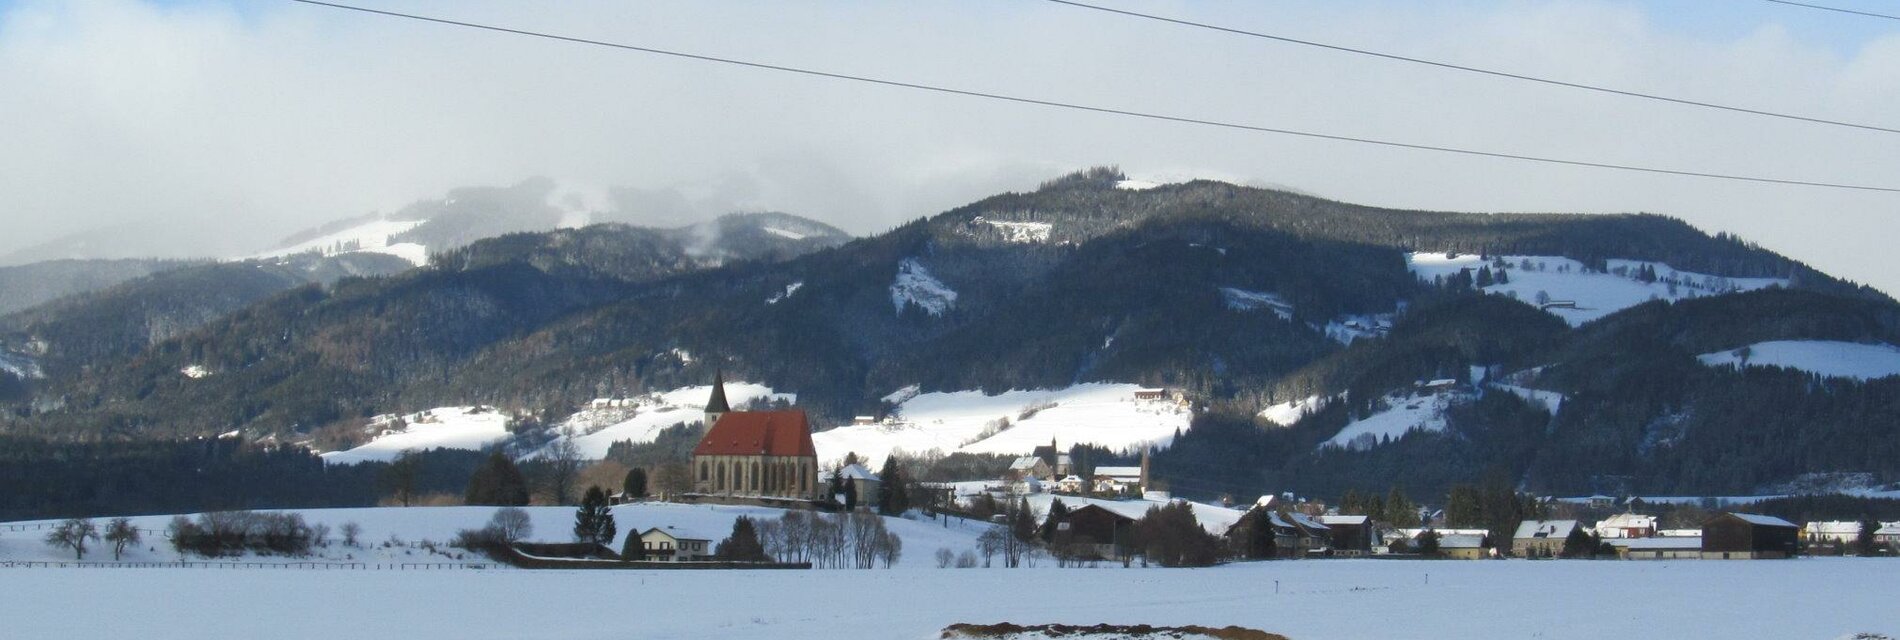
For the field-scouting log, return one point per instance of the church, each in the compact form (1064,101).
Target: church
(766,454)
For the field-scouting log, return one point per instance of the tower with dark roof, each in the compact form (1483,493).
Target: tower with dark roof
(716,405)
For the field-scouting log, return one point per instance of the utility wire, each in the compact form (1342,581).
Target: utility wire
(1108,110)
(1478,70)
(1824,8)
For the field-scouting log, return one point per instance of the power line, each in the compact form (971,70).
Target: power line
(1478,70)
(1106,110)
(1824,8)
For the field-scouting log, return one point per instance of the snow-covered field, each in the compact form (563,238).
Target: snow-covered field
(1594,295)
(1818,599)
(1099,413)
(1824,357)
(1291,411)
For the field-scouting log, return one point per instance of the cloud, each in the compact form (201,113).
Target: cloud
(231,124)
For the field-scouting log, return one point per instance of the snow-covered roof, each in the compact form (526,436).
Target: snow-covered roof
(1679,533)
(681,534)
(1345,520)
(1460,541)
(1764,521)
(1834,527)
(857,472)
(1024,463)
(1557,529)
(1305,521)
(1889,529)
(1119,472)
(1628,521)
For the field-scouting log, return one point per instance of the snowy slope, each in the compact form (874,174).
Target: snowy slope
(1594,295)
(1402,414)
(1215,519)
(1824,357)
(1018,232)
(372,236)
(1291,411)
(597,428)
(1244,300)
(1550,400)
(470,428)
(914,285)
(1099,413)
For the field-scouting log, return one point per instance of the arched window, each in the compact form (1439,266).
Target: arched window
(755,476)
(702,470)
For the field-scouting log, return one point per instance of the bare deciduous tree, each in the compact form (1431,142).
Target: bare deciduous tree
(121,534)
(73,534)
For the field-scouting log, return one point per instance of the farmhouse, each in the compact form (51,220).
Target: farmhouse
(755,453)
(862,484)
(1463,547)
(1841,532)
(1542,538)
(1746,536)
(1092,532)
(1627,525)
(674,545)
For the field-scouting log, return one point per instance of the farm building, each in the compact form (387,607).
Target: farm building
(1746,536)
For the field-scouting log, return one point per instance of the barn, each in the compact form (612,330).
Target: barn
(1747,536)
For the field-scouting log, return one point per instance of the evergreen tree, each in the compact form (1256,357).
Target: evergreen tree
(1058,513)
(1261,544)
(497,483)
(743,544)
(1864,541)
(1428,543)
(892,496)
(594,520)
(633,550)
(635,485)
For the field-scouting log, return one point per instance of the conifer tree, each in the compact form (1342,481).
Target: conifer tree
(892,497)
(635,485)
(594,520)
(743,544)
(497,483)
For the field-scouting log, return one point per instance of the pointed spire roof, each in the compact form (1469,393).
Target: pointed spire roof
(717,403)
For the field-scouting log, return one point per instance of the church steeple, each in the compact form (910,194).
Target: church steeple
(716,405)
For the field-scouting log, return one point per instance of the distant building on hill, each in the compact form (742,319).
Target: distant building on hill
(766,454)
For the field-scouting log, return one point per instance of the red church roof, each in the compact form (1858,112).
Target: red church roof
(752,433)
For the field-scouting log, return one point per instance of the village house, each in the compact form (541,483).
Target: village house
(1122,480)
(859,480)
(1463,547)
(674,545)
(1746,536)
(1542,538)
(1092,532)
(1888,534)
(1626,525)
(1027,467)
(1839,532)
(760,454)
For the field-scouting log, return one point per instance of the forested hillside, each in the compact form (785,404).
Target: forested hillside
(1242,298)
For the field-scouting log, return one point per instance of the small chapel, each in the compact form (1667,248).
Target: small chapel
(766,454)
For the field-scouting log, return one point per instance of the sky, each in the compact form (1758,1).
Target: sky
(213,128)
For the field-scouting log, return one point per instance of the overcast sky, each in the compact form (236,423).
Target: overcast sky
(216,127)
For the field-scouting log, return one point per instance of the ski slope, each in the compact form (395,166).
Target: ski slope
(1823,357)
(469,428)
(1103,414)
(372,237)
(1578,296)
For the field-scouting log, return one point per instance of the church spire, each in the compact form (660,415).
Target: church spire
(716,405)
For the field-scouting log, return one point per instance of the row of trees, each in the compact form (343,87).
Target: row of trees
(855,539)
(75,532)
